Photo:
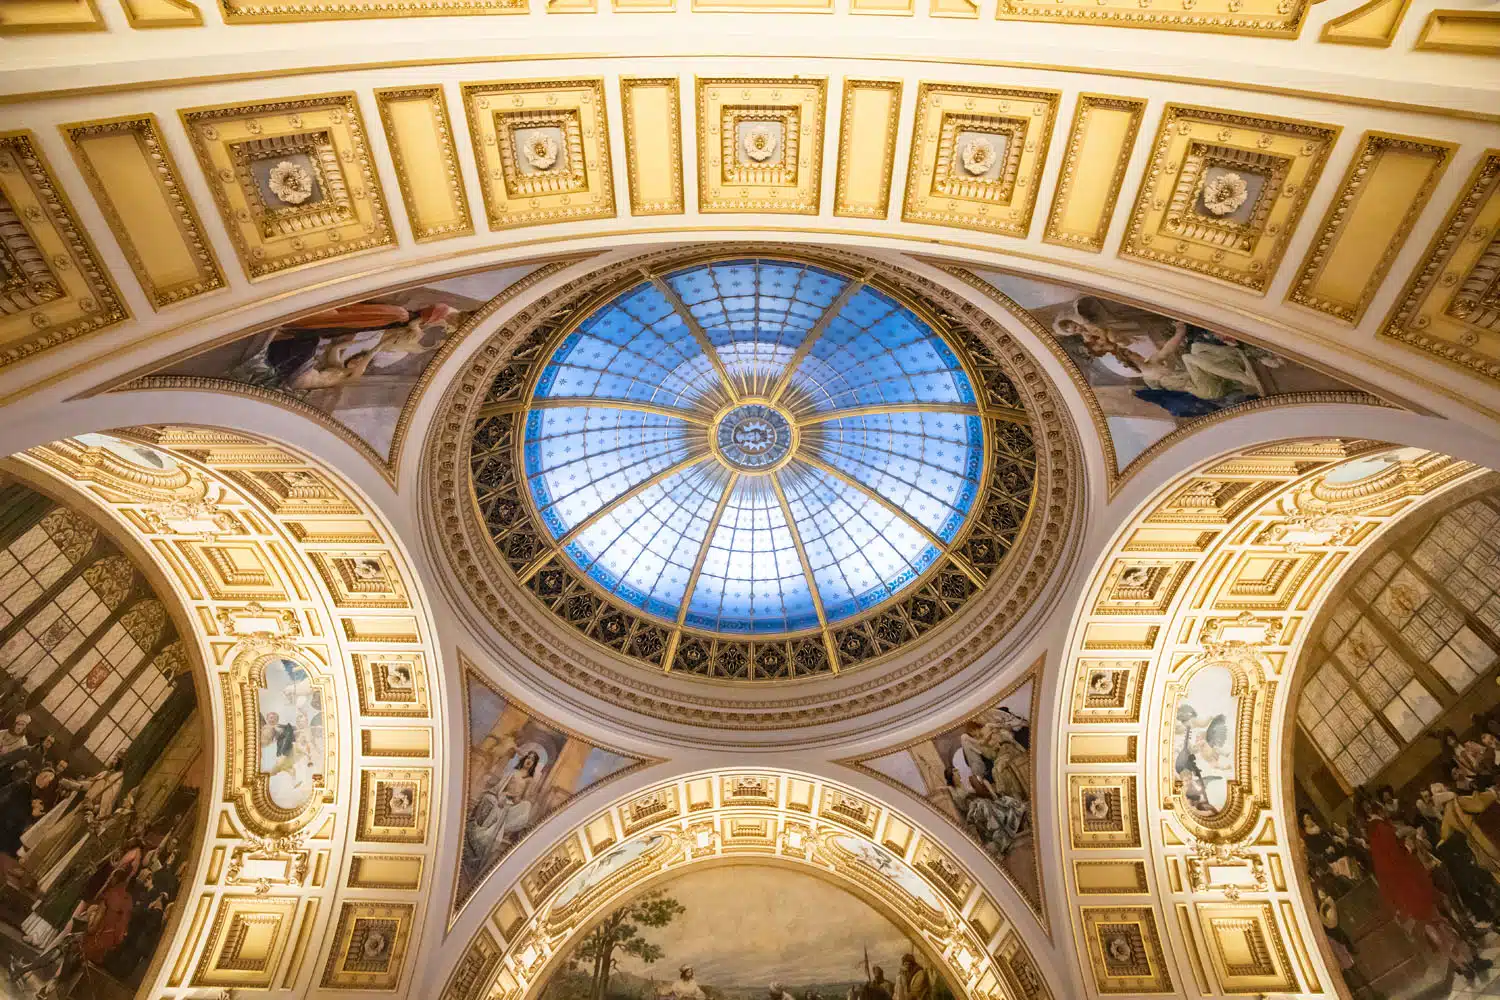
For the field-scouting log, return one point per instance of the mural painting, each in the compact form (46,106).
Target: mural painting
(293,741)
(356,363)
(1203,739)
(101,759)
(1397,758)
(745,932)
(1153,374)
(979,774)
(520,769)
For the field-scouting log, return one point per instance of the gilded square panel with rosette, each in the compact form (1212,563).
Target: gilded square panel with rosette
(293,180)
(1102,811)
(369,946)
(1125,950)
(543,150)
(394,804)
(1223,192)
(761,145)
(1450,307)
(52,286)
(977,156)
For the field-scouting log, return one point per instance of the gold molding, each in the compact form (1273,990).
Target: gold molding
(942,191)
(1083,171)
(156,164)
(1264,18)
(274,12)
(62,291)
(30,17)
(1243,246)
(1475,32)
(425,162)
(582,186)
(1372,23)
(167,13)
(646,197)
(854,154)
(328,133)
(790,180)
(1373,250)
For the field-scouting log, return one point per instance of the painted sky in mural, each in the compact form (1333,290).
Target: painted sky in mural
(744,932)
(979,774)
(520,770)
(359,362)
(1397,756)
(293,741)
(1150,373)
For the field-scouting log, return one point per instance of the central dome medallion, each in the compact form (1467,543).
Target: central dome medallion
(753,447)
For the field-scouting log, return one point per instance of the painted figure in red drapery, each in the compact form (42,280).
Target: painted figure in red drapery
(106,933)
(1404,883)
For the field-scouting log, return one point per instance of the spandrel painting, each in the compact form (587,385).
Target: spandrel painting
(357,363)
(1396,757)
(520,769)
(744,932)
(1153,374)
(1203,740)
(293,740)
(101,763)
(979,773)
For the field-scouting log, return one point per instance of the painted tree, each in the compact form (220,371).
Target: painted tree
(621,931)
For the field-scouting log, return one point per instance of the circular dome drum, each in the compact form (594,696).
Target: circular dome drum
(759,466)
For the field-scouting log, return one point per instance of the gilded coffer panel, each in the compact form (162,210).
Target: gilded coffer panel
(1125,950)
(760,145)
(421,141)
(867,148)
(243,12)
(1450,306)
(653,144)
(293,180)
(543,151)
(977,156)
(134,179)
(1224,191)
(369,946)
(1366,225)
(1093,168)
(162,13)
(1228,17)
(53,288)
(49,15)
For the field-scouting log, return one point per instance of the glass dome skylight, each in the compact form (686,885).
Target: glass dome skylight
(753,447)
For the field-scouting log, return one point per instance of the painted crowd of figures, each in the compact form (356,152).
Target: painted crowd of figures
(1434,856)
(87,879)
(912,982)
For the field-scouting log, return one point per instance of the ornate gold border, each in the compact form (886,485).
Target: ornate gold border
(438,101)
(806,196)
(239,12)
(147,132)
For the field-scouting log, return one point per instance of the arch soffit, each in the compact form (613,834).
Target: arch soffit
(1226,566)
(271,555)
(751,816)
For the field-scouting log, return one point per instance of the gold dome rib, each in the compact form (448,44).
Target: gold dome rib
(932,539)
(814,334)
(699,334)
(812,583)
(565,402)
(562,543)
(964,409)
(692,583)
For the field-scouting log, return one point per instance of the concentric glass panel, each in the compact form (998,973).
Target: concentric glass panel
(753,447)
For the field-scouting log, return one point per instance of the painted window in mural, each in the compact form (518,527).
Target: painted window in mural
(100,758)
(293,742)
(1397,758)
(520,770)
(357,363)
(1153,374)
(744,932)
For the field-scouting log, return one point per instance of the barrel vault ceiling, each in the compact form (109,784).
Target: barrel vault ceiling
(581,139)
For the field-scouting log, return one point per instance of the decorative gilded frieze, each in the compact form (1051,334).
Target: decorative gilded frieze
(1277,18)
(1450,307)
(977,156)
(274,11)
(652,109)
(294,180)
(53,288)
(1360,235)
(867,148)
(1093,168)
(542,148)
(760,144)
(136,182)
(1224,191)
(421,143)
